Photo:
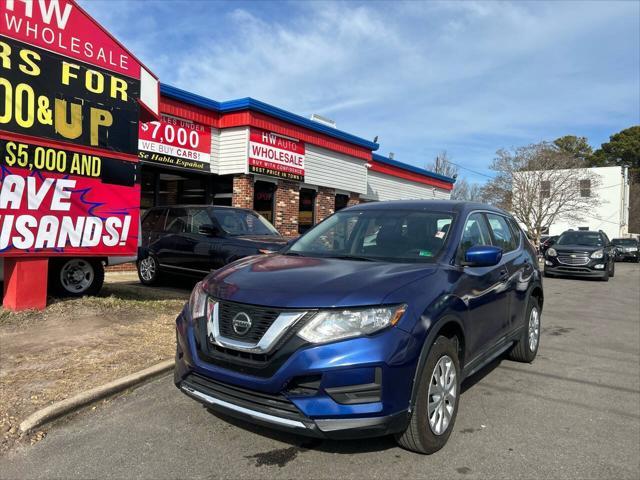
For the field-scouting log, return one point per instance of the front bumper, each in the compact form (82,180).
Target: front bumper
(361,387)
(575,271)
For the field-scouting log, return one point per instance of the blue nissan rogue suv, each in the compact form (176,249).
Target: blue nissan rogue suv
(367,324)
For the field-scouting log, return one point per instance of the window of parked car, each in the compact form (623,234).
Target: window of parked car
(625,242)
(503,237)
(476,232)
(243,222)
(589,239)
(378,235)
(154,220)
(177,221)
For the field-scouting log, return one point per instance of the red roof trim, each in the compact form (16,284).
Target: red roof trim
(414,177)
(189,112)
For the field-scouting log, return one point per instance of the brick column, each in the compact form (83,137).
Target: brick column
(354,199)
(242,191)
(325,203)
(287,208)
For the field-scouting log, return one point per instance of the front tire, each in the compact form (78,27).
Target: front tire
(527,347)
(437,401)
(613,269)
(76,277)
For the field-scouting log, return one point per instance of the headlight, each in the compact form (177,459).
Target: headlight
(332,325)
(597,254)
(552,252)
(198,301)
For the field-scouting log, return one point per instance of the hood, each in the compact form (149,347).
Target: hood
(308,282)
(260,241)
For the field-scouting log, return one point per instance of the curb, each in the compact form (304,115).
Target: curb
(68,405)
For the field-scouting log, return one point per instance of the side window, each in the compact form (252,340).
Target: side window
(177,221)
(154,220)
(516,230)
(197,218)
(502,235)
(475,233)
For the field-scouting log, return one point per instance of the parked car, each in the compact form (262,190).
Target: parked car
(626,249)
(341,335)
(193,240)
(76,276)
(547,243)
(581,253)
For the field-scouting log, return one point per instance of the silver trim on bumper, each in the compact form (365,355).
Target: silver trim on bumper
(252,413)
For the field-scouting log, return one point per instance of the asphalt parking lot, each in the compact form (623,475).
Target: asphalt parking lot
(573,413)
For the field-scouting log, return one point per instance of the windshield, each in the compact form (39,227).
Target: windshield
(243,222)
(387,235)
(588,239)
(625,242)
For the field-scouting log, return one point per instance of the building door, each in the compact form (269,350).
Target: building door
(306,215)
(341,201)
(263,199)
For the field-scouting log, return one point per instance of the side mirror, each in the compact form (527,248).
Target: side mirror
(209,230)
(482,256)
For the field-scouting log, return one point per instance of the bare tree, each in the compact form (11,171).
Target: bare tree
(539,184)
(468,192)
(442,165)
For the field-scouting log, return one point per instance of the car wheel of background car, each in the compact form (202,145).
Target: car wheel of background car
(527,347)
(76,277)
(148,270)
(436,407)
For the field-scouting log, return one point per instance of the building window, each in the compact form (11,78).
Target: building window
(341,201)
(545,189)
(306,209)
(585,188)
(263,199)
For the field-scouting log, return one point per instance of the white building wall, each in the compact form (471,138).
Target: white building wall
(230,150)
(326,168)
(611,215)
(385,187)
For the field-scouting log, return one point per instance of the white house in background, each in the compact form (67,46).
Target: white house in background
(612,213)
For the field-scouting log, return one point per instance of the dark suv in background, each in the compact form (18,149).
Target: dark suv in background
(626,249)
(193,240)
(581,253)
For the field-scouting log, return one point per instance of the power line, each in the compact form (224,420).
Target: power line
(470,170)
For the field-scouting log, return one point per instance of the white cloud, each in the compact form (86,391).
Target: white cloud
(469,77)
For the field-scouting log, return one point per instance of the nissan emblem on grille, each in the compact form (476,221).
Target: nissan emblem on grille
(241,323)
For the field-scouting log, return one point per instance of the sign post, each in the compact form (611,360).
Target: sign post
(73,97)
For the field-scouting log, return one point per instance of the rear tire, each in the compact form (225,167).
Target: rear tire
(148,270)
(439,392)
(527,347)
(76,277)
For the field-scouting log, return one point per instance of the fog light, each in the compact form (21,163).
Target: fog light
(547,262)
(599,266)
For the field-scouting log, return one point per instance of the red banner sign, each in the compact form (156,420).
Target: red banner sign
(64,202)
(176,142)
(276,155)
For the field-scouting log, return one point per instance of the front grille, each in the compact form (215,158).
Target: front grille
(576,259)
(261,319)
(271,404)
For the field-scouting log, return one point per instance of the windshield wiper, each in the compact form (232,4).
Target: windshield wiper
(351,257)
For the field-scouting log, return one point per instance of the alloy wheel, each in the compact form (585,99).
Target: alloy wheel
(442,395)
(534,329)
(147,269)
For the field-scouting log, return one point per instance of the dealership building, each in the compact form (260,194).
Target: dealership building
(245,153)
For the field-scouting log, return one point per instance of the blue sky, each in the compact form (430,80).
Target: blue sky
(465,77)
